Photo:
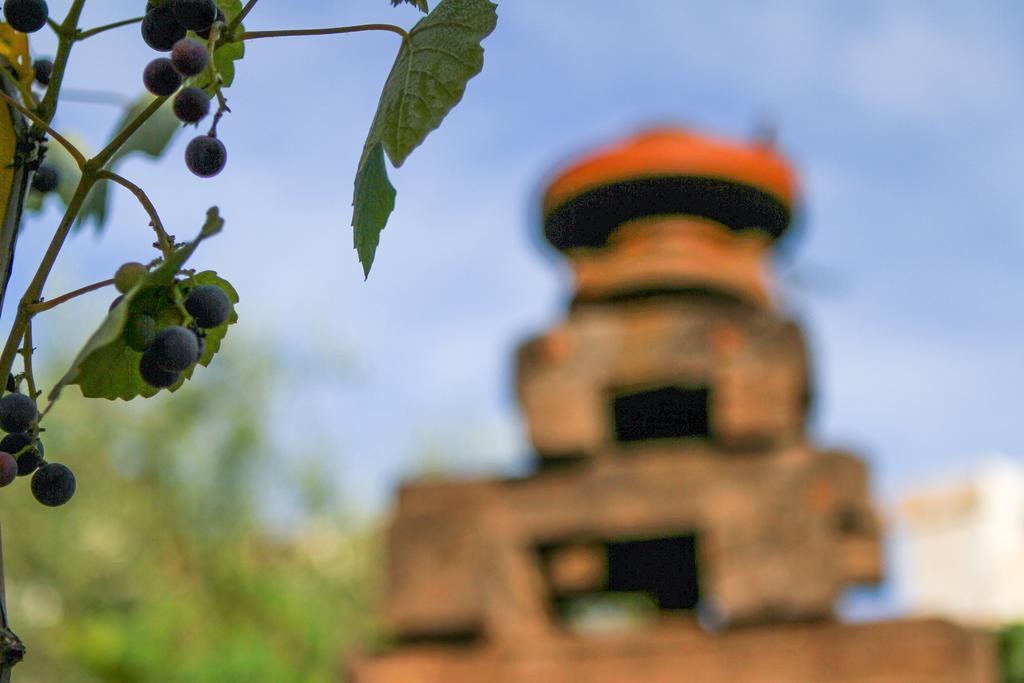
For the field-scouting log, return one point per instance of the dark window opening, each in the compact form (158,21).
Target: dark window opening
(665,413)
(664,568)
(548,463)
(641,581)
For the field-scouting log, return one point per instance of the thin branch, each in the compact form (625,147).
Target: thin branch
(237,21)
(55,26)
(161,234)
(100,160)
(41,306)
(35,288)
(216,81)
(26,356)
(253,35)
(72,150)
(48,107)
(82,35)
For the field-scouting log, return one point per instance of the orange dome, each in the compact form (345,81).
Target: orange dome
(670,170)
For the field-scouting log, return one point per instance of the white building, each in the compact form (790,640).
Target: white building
(964,546)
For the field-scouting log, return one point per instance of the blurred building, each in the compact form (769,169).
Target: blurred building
(679,524)
(965,546)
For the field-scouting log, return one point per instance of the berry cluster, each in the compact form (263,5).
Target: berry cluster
(168,352)
(21,453)
(164,29)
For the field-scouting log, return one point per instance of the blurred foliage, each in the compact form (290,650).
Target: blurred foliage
(163,568)
(1011,653)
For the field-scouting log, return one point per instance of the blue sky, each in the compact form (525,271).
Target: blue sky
(902,118)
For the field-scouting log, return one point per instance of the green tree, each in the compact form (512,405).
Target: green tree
(165,568)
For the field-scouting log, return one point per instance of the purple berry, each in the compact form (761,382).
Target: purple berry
(206,156)
(27,16)
(191,105)
(160,29)
(8,469)
(161,78)
(195,15)
(53,484)
(189,57)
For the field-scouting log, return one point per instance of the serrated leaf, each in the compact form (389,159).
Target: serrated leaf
(373,203)
(106,367)
(428,78)
(430,74)
(421,5)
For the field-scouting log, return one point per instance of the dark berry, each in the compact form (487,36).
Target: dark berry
(153,374)
(208,305)
(17,413)
(195,15)
(160,29)
(129,275)
(44,69)
(189,57)
(175,348)
(140,332)
(205,33)
(191,105)
(206,156)
(29,455)
(45,179)
(115,302)
(8,469)
(12,385)
(161,78)
(27,16)
(53,484)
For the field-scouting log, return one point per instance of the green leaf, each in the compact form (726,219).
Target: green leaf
(151,139)
(421,5)
(430,74)
(226,55)
(374,201)
(428,78)
(106,367)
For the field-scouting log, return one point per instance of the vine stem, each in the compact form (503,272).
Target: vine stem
(253,35)
(101,159)
(41,306)
(162,238)
(35,288)
(237,21)
(91,172)
(82,35)
(72,150)
(26,356)
(66,32)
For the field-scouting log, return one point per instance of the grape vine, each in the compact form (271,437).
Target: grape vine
(169,319)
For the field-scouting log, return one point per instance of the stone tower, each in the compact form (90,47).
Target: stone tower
(679,525)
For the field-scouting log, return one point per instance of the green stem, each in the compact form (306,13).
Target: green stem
(35,288)
(64,298)
(26,356)
(237,21)
(101,159)
(162,238)
(253,35)
(48,107)
(82,35)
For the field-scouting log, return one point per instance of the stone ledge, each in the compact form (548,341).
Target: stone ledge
(921,651)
